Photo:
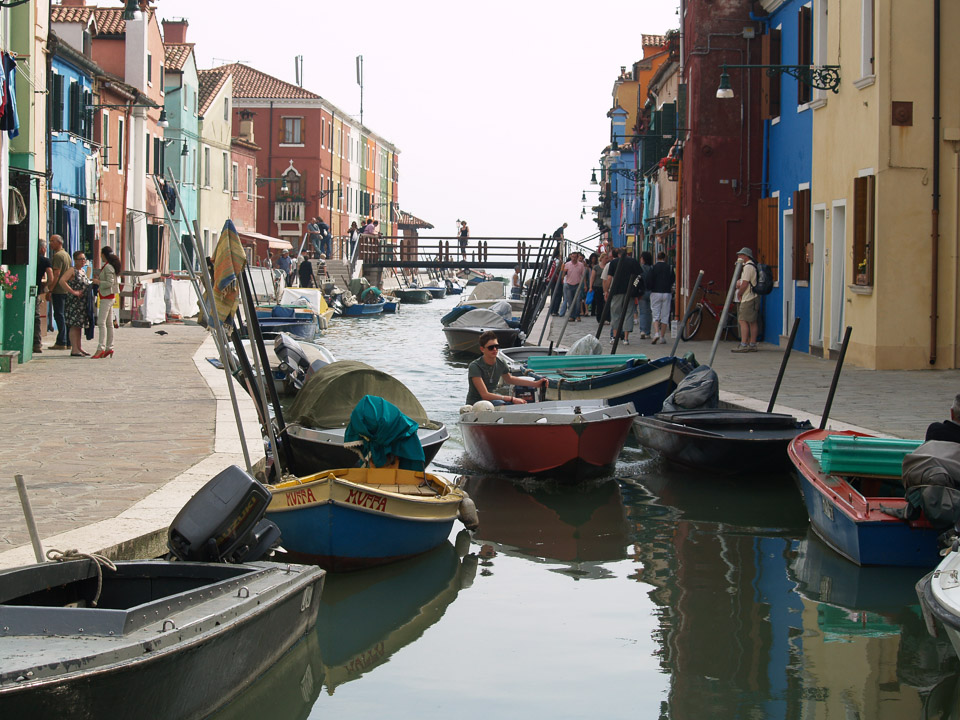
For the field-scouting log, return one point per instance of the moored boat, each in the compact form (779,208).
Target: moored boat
(721,440)
(463,333)
(437,292)
(561,438)
(939,594)
(855,508)
(362,309)
(413,296)
(317,419)
(391,305)
(346,519)
(644,383)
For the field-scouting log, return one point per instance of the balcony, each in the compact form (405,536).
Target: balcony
(289,212)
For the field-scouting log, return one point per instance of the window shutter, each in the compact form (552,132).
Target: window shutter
(768,251)
(74,119)
(805,51)
(770,86)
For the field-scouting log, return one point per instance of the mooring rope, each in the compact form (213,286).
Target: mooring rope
(99,561)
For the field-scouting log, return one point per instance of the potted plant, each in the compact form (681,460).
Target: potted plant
(671,165)
(862,273)
(8,283)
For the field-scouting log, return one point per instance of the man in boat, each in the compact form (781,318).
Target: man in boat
(488,371)
(948,430)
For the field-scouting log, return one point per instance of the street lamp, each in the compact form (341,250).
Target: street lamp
(281,180)
(821,77)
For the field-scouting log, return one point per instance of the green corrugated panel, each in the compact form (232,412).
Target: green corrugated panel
(851,455)
(581,362)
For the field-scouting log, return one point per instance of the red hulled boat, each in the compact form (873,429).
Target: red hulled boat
(568,439)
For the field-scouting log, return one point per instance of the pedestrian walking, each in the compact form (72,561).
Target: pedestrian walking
(108,285)
(285,265)
(75,283)
(644,313)
(44,286)
(596,284)
(661,292)
(573,273)
(60,264)
(617,293)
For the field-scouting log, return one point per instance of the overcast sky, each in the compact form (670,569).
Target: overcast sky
(498,107)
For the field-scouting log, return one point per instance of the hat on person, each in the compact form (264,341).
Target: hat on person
(746,251)
(284,251)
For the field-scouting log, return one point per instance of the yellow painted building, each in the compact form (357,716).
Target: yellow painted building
(876,266)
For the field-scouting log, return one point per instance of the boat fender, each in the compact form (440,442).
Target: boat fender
(468,513)
(483,406)
(464,409)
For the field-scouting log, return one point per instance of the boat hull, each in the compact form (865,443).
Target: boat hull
(854,525)
(548,438)
(323,449)
(740,446)
(341,525)
(437,293)
(467,339)
(175,672)
(940,599)
(363,309)
(646,385)
(307,329)
(413,296)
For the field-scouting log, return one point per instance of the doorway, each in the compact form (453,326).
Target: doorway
(817,277)
(786,271)
(838,237)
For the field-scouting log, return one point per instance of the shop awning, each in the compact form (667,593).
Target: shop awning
(272,242)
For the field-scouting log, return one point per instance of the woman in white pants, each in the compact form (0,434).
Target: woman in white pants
(108,282)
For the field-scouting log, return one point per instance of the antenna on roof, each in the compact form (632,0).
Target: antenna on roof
(298,69)
(229,61)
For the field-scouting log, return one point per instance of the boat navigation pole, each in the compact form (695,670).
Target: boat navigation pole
(783,363)
(726,311)
(216,326)
(686,315)
(836,378)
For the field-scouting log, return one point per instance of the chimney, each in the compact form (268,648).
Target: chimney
(73,3)
(246,125)
(174,31)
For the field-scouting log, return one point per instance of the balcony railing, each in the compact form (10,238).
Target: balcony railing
(289,212)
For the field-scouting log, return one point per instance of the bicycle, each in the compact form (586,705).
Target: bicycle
(715,310)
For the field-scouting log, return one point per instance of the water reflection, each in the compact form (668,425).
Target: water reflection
(367,616)
(581,526)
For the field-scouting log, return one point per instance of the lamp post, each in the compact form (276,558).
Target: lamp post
(821,77)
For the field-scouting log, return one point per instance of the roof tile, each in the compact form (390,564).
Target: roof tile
(210,83)
(251,83)
(61,13)
(176,54)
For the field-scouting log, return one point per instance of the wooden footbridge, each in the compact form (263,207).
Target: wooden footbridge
(443,253)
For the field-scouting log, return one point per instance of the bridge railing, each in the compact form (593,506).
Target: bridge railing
(442,251)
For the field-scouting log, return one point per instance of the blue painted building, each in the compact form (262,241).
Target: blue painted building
(182,137)
(624,198)
(784,212)
(73,203)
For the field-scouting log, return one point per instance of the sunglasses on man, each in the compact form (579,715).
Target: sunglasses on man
(491,347)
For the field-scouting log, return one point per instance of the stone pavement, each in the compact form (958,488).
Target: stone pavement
(111,449)
(900,403)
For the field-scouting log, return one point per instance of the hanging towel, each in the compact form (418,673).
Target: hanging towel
(9,121)
(72,218)
(229,260)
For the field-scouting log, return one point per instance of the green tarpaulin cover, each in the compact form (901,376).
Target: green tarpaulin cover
(385,432)
(328,398)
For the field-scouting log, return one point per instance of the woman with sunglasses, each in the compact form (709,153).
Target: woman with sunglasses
(488,371)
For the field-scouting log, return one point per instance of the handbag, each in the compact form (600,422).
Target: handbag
(589,298)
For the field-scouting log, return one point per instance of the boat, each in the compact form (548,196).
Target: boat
(453,287)
(474,277)
(309,297)
(413,296)
(294,362)
(853,502)
(939,594)
(520,355)
(463,334)
(351,518)
(645,383)
(488,293)
(561,438)
(301,323)
(359,632)
(84,638)
(362,309)
(391,305)
(720,439)
(316,421)
(437,292)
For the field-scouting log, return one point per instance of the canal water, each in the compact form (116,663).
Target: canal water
(654,593)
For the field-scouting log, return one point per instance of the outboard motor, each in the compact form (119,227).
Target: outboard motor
(293,361)
(224,521)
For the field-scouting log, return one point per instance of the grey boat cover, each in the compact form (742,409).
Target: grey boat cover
(480,318)
(587,345)
(490,290)
(330,395)
(931,479)
(503,309)
(699,389)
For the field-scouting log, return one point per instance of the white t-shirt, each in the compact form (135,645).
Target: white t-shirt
(749,274)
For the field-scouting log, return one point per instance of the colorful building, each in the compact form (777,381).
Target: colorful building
(215,163)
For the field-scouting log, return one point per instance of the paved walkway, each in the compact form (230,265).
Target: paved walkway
(112,449)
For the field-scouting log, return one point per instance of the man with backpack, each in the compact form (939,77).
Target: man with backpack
(749,308)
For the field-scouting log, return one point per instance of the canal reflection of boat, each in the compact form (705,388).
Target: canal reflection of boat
(824,576)
(368,616)
(288,690)
(583,526)
(318,417)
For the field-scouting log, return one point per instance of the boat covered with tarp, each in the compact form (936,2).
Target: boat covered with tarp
(318,417)
(463,333)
